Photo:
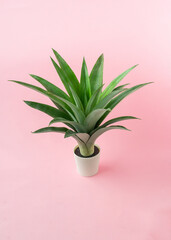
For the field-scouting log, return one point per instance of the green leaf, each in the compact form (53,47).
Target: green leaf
(114,120)
(51,96)
(51,129)
(93,117)
(77,112)
(63,78)
(83,136)
(77,100)
(120,87)
(77,126)
(112,85)
(93,100)
(124,94)
(96,75)
(103,102)
(70,126)
(51,111)
(100,131)
(79,115)
(85,90)
(70,74)
(51,87)
(118,119)
(119,98)
(69,133)
(69,86)
(80,137)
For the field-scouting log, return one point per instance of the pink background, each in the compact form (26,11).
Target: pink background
(41,195)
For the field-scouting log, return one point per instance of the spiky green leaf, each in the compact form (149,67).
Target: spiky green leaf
(113,120)
(70,108)
(51,129)
(51,111)
(51,96)
(80,116)
(120,87)
(63,78)
(77,100)
(51,87)
(82,137)
(103,102)
(124,94)
(93,100)
(70,133)
(113,84)
(76,126)
(119,98)
(93,117)
(100,131)
(85,90)
(96,75)
(118,119)
(69,72)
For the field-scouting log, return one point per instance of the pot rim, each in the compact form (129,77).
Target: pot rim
(87,157)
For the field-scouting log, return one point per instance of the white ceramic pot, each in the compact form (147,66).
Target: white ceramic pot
(87,166)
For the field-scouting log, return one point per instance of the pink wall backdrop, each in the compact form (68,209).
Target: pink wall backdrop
(41,195)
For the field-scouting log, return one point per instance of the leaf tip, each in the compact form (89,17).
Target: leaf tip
(65,135)
(53,49)
(49,123)
(27,102)
(56,53)
(31,75)
(11,80)
(102,57)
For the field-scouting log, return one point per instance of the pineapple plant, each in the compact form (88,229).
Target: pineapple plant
(85,105)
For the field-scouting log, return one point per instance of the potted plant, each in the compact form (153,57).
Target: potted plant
(82,108)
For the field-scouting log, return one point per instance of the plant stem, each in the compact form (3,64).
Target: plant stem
(86,150)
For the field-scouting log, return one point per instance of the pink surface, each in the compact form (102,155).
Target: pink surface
(41,195)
